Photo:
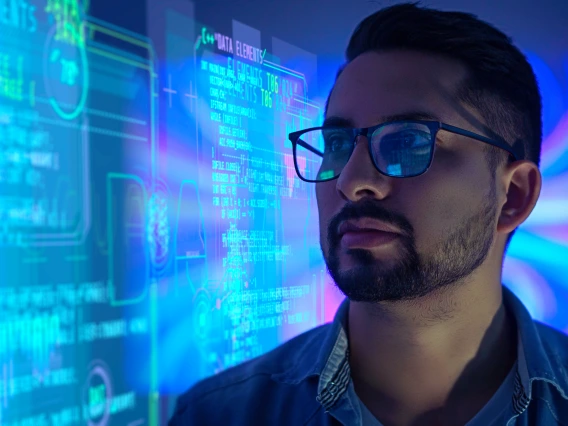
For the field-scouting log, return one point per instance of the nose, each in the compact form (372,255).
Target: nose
(359,178)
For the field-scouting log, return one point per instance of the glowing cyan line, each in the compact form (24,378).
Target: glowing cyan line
(170,90)
(297,99)
(284,69)
(119,58)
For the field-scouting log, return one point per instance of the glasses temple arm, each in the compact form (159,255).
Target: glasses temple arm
(480,138)
(296,139)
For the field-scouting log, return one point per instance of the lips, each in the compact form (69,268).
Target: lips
(365,225)
(366,233)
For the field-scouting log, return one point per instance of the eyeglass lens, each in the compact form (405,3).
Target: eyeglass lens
(397,149)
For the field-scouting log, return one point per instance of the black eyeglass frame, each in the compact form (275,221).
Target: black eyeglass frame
(434,126)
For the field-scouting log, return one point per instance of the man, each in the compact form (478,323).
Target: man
(426,164)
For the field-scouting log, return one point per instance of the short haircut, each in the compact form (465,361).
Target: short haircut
(501,84)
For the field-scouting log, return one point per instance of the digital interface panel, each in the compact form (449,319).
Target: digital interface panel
(153,230)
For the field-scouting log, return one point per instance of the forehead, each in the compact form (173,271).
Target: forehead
(379,84)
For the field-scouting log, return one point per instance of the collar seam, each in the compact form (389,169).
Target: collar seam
(559,388)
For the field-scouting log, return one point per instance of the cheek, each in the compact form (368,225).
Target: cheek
(433,216)
(440,200)
(327,206)
(463,175)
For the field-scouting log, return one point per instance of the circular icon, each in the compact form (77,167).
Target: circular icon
(66,72)
(97,394)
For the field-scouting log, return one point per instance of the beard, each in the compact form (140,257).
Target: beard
(461,252)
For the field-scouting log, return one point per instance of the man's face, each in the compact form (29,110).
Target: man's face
(447,215)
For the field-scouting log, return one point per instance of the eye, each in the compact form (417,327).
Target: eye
(337,140)
(402,142)
(336,144)
(413,139)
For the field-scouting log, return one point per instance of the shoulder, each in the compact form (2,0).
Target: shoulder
(554,341)
(277,361)
(251,382)
(548,388)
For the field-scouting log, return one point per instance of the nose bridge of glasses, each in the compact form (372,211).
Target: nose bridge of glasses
(366,150)
(358,177)
(358,134)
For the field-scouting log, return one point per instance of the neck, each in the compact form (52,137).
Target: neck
(451,348)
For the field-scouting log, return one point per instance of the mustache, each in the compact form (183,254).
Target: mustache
(370,209)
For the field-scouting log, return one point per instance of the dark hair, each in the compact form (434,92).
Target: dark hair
(500,85)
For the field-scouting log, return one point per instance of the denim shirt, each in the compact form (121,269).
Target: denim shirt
(307,381)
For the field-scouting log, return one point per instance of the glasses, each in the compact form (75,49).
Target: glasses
(398,148)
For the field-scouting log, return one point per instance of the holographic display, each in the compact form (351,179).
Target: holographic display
(153,230)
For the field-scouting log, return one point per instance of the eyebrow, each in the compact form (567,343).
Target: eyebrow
(336,121)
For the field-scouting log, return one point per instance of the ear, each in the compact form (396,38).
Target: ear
(520,183)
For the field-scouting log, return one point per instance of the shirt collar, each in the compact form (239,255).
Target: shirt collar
(538,357)
(326,357)
(329,343)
